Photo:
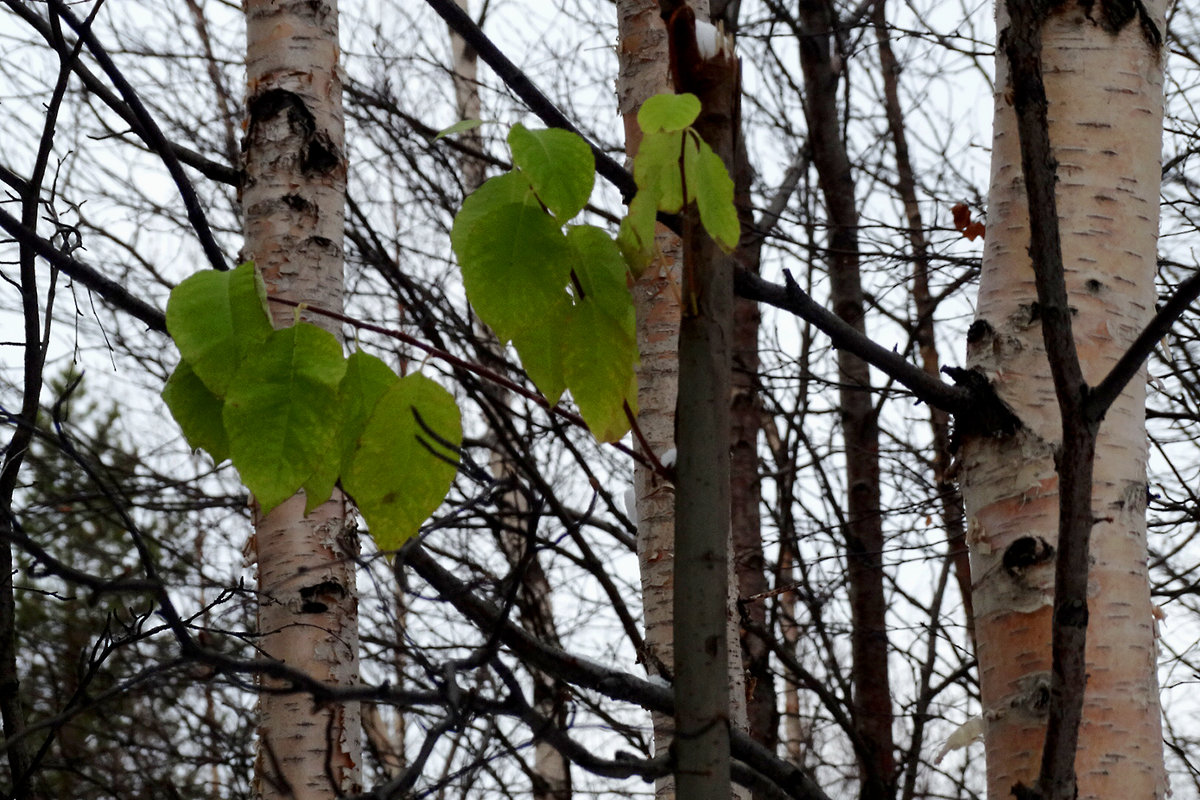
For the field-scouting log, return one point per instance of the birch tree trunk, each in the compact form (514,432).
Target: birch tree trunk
(642,49)
(293,199)
(1102,73)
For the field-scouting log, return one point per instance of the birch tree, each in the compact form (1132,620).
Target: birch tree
(463,663)
(642,48)
(1066,289)
(292,200)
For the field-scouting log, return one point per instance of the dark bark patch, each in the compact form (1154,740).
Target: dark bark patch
(979,330)
(317,152)
(985,415)
(317,599)
(298,203)
(273,102)
(1114,15)
(1026,552)
(1034,312)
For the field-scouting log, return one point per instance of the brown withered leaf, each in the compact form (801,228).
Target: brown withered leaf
(962,222)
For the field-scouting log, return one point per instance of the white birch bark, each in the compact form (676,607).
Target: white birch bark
(1105,111)
(292,200)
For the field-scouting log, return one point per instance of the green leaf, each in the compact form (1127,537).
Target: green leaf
(635,238)
(198,412)
(318,487)
(711,187)
(601,272)
(397,482)
(656,169)
(215,318)
(558,164)
(367,379)
(541,354)
(513,256)
(462,126)
(668,112)
(281,412)
(598,361)
(600,341)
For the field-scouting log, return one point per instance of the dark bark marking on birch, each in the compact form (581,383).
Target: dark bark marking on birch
(979,330)
(298,203)
(317,152)
(1114,15)
(987,414)
(1026,552)
(317,598)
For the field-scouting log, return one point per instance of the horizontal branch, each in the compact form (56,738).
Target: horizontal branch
(843,336)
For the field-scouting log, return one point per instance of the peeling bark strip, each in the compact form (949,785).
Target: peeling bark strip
(293,197)
(1060,300)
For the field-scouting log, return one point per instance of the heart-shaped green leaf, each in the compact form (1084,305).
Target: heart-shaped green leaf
(281,412)
(513,256)
(394,476)
(558,164)
(215,318)
(668,112)
(198,412)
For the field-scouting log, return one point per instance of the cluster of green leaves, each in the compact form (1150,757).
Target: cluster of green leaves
(560,291)
(291,412)
(674,168)
(560,296)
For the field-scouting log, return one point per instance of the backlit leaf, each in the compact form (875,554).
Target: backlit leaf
(599,355)
(393,477)
(198,412)
(367,379)
(599,341)
(215,318)
(656,169)
(558,164)
(513,256)
(635,237)
(668,112)
(601,272)
(711,187)
(540,349)
(281,411)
